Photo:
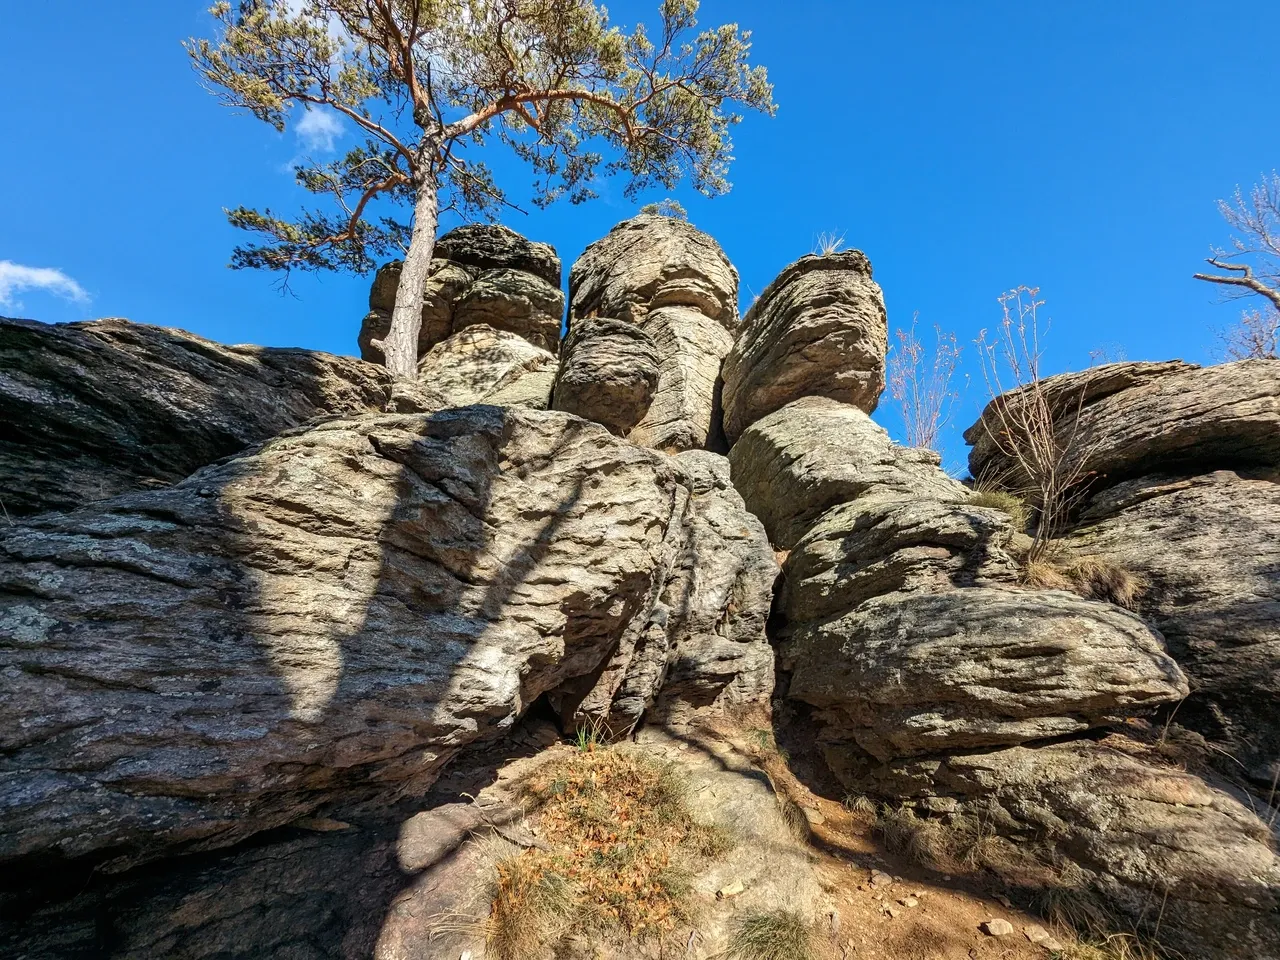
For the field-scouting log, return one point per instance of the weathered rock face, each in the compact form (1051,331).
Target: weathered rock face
(484,365)
(684,414)
(608,373)
(674,282)
(881,544)
(653,261)
(815,453)
(1184,860)
(819,330)
(482,274)
(915,673)
(727,565)
(91,410)
(1141,418)
(335,615)
(1209,547)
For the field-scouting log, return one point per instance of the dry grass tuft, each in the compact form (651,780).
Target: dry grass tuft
(1009,503)
(956,845)
(828,242)
(860,803)
(621,845)
(532,907)
(777,935)
(1092,577)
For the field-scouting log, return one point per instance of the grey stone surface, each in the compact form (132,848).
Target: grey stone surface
(819,330)
(1140,418)
(879,545)
(91,410)
(653,261)
(684,414)
(1209,548)
(482,365)
(608,373)
(796,463)
(333,615)
(919,672)
(482,274)
(1188,863)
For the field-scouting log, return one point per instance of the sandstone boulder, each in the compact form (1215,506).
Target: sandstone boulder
(1187,863)
(820,329)
(914,673)
(796,463)
(332,616)
(608,373)
(1209,548)
(482,365)
(91,410)
(653,261)
(684,414)
(880,545)
(1133,419)
(482,274)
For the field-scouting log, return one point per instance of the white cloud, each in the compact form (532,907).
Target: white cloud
(15,277)
(319,130)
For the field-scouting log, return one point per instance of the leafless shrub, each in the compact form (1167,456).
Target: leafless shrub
(921,384)
(1255,337)
(1037,430)
(1251,268)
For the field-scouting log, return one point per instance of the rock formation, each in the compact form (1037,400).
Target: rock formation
(1135,419)
(91,410)
(819,329)
(814,454)
(912,651)
(1153,840)
(1208,547)
(608,373)
(484,365)
(241,599)
(481,274)
(1184,493)
(341,611)
(675,283)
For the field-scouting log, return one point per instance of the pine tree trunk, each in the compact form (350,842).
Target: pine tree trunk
(401,344)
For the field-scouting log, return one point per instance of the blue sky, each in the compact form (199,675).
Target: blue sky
(967,147)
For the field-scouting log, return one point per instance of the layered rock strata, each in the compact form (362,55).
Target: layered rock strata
(92,410)
(482,274)
(339,612)
(608,373)
(1182,480)
(674,283)
(820,329)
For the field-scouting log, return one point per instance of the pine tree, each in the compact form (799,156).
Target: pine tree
(430,83)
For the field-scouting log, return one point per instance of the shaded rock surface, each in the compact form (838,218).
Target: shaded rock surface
(484,365)
(820,329)
(333,616)
(1185,861)
(674,282)
(482,274)
(684,413)
(653,261)
(608,373)
(1209,548)
(915,673)
(91,410)
(815,453)
(882,544)
(704,641)
(1141,418)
